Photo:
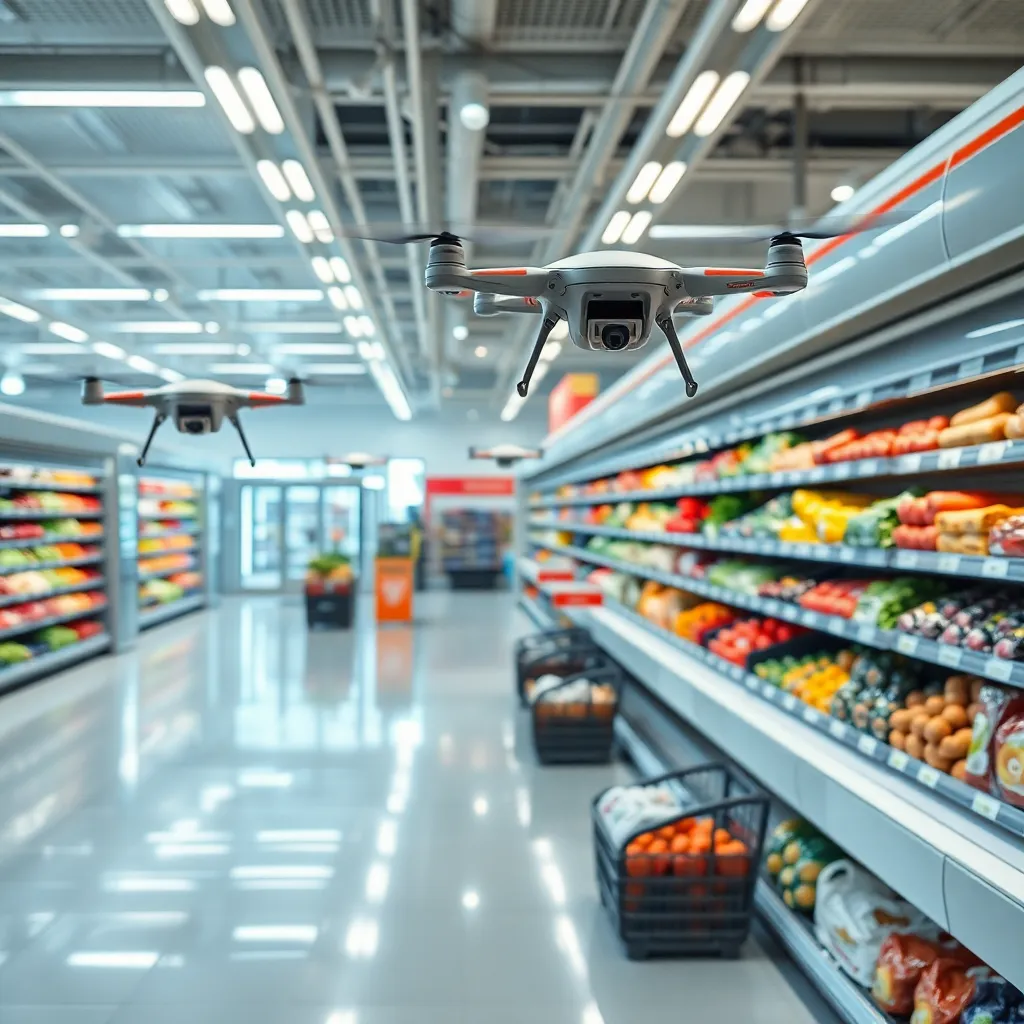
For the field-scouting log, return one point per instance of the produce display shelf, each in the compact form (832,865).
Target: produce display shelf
(69,563)
(49,486)
(94,584)
(157,534)
(960,869)
(995,453)
(53,620)
(999,669)
(544,572)
(794,933)
(45,664)
(171,610)
(51,538)
(992,567)
(159,574)
(159,516)
(190,550)
(45,513)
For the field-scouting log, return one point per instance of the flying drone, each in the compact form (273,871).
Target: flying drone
(612,299)
(505,455)
(195,406)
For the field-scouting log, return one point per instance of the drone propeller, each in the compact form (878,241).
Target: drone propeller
(792,231)
(482,234)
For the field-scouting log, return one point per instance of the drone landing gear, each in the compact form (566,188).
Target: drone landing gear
(669,330)
(545,329)
(236,423)
(157,420)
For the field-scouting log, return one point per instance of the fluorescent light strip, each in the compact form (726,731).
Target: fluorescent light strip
(242,369)
(219,12)
(300,226)
(667,181)
(355,298)
(69,331)
(200,231)
(19,312)
(322,269)
(291,327)
(512,407)
(143,365)
(50,348)
(198,348)
(184,12)
(276,933)
(261,100)
(320,226)
(89,98)
(340,269)
(642,183)
(636,227)
(616,226)
(721,103)
(296,176)
(327,348)
(692,104)
(69,230)
(395,397)
(24,231)
(335,369)
(231,102)
(983,332)
(273,179)
(157,327)
(784,14)
(370,350)
(260,295)
(93,294)
(337,298)
(109,351)
(140,961)
(749,16)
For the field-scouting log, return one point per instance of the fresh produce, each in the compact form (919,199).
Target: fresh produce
(743,577)
(695,623)
(984,431)
(1007,537)
(788,588)
(945,989)
(12,653)
(795,856)
(935,726)
(884,601)
(722,509)
(690,847)
(981,619)
(578,699)
(690,514)
(331,567)
(902,961)
(736,642)
(1003,402)
(835,597)
(874,526)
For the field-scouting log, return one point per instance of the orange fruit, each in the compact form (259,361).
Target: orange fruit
(658,851)
(680,843)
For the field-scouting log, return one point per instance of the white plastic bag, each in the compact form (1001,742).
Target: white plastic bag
(855,913)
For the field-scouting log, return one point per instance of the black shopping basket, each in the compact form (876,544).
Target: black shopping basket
(558,652)
(687,900)
(577,731)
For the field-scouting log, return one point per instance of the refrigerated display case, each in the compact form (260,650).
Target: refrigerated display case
(171,538)
(53,579)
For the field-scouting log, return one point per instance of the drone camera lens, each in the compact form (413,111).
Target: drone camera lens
(615,337)
(194,426)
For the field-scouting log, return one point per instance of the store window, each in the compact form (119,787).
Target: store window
(406,487)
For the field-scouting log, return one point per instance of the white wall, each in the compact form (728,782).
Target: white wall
(442,439)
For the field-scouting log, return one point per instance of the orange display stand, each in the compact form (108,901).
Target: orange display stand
(394,589)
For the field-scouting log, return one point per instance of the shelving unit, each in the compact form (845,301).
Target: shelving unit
(473,542)
(53,599)
(170,548)
(955,852)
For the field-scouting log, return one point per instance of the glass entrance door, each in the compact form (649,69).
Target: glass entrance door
(284,525)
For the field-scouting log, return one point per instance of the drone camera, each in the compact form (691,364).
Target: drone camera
(194,419)
(614,325)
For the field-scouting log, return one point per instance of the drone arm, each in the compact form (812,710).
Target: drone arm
(485,304)
(699,305)
(157,420)
(546,327)
(709,281)
(236,423)
(669,330)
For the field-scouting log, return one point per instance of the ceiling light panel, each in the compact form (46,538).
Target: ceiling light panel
(107,98)
(749,16)
(315,348)
(636,227)
(645,178)
(616,226)
(337,369)
(157,327)
(296,176)
(223,88)
(24,231)
(219,12)
(185,12)
(340,269)
(260,295)
(667,181)
(242,369)
(322,269)
(50,348)
(18,312)
(290,327)
(197,348)
(721,103)
(109,351)
(692,104)
(273,179)
(320,226)
(69,331)
(200,231)
(337,298)
(261,101)
(784,14)
(92,294)
(299,225)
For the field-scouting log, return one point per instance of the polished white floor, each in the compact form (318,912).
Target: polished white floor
(239,822)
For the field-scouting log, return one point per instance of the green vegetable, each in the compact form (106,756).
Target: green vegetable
(11,653)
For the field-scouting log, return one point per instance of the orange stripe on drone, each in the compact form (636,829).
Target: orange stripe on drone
(501,272)
(124,396)
(1004,126)
(727,272)
(260,397)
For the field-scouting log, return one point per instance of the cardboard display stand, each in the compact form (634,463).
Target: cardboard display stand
(394,589)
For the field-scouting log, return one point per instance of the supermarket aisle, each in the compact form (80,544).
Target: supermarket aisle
(240,822)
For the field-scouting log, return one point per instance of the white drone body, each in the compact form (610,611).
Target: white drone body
(195,406)
(610,300)
(505,455)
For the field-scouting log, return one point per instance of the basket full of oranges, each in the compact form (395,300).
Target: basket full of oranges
(573,716)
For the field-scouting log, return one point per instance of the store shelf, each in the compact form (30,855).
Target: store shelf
(171,610)
(995,454)
(960,869)
(160,516)
(53,620)
(47,513)
(157,552)
(51,538)
(998,669)
(157,534)
(8,601)
(70,563)
(794,932)
(966,566)
(159,574)
(45,664)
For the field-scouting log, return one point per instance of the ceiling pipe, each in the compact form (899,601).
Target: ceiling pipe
(302,37)
(423,100)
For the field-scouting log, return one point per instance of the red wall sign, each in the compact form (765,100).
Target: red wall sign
(467,486)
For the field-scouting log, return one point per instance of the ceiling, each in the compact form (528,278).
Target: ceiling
(370,98)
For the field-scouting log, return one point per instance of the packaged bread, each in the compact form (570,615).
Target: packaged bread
(975,432)
(968,544)
(1003,402)
(1014,428)
(973,520)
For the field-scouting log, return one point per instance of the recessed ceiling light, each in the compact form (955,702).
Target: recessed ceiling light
(299,225)
(200,231)
(299,181)
(24,231)
(842,192)
(19,312)
(340,269)
(219,12)
(322,269)
(222,86)
(337,297)
(474,116)
(261,100)
(109,351)
(460,332)
(86,98)
(12,384)
(320,225)
(69,230)
(184,12)
(480,351)
(93,294)
(260,295)
(161,295)
(276,385)
(211,327)
(157,327)
(355,298)
(69,331)
(271,176)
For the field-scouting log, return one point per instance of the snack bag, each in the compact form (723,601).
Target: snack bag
(995,1001)
(992,701)
(1008,755)
(855,913)
(945,989)
(901,962)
